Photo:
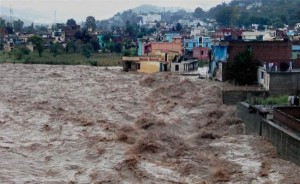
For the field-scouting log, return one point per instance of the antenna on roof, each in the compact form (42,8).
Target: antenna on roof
(54,16)
(11,16)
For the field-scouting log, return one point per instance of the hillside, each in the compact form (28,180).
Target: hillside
(267,12)
(147,8)
(27,16)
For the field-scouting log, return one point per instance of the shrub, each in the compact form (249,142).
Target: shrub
(27,60)
(243,69)
(93,63)
(25,50)
(17,53)
(277,100)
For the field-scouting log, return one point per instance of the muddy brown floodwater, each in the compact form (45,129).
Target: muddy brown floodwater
(81,124)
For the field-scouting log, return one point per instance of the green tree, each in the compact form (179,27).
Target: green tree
(85,36)
(86,50)
(198,13)
(41,29)
(38,43)
(90,23)
(243,69)
(225,16)
(17,53)
(129,28)
(56,49)
(118,47)
(106,37)
(30,29)
(71,22)
(9,28)
(18,25)
(178,27)
(2,23)
(71,46)
(158,24)
(94,42)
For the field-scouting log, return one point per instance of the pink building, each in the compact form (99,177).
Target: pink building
(201,53)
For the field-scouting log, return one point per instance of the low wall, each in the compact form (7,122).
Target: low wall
(284,83)
(251,118)
(287,116)
(287,143)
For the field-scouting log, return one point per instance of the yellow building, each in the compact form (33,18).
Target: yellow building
(145,64)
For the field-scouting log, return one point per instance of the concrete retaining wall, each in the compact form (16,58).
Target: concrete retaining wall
(286,142)
(250,117)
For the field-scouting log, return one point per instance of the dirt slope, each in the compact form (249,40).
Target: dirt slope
(79,124)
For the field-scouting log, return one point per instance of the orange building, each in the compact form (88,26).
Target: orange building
(156,48)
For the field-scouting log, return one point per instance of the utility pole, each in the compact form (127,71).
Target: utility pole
(54,16)
(11,17)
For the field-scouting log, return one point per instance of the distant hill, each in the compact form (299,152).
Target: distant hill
(26,22)
(147,8)
(27,16)
(264,12)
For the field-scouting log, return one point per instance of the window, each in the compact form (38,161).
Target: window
(138,66)
(176,67)
(249,48)
(261,75)
(194,44)
(201,52)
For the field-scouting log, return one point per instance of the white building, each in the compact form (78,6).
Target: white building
(297,26)
(59,36)
(199,31)
(150,18)
(256,35)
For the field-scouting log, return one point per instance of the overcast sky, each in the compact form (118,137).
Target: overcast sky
(100,9)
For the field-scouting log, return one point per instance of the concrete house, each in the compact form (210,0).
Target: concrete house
(149,18)
(59,36)
(201,53)
(189,44)
(184,67)
(264,51)
(279,83)
(3,33)
(199,31)
(258,35)
(146,64)
(156,48)
(23,38)
(169,36)
(228,34)
(205,42)
(218,59)
(70,31)
(100,41)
